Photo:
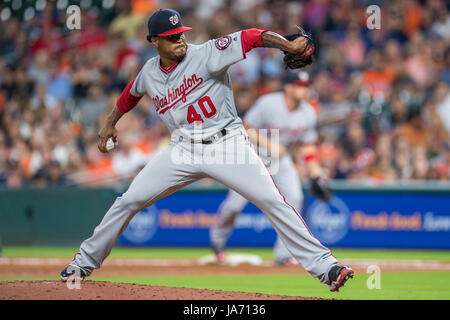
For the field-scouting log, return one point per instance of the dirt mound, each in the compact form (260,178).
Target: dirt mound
(98,290)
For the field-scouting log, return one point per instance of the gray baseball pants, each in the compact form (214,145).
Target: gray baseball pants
(286,179)
(246,174)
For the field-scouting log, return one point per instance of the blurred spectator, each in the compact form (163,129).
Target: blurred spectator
(92,106)
(445,72)
(442,24)
(382,168)
(420,163)
(99,168)
(354,47)
(3,165)
(41,99)
(414,130)
(442,97)
(353,139)
(419,63)
(14,176)
(402,160)
(441,165)
(58,84)
(126,22)
(50,175)
(38,68)
(128,159)
(8,33)
(377,79)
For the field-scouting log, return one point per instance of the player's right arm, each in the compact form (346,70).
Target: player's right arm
(227,50)
(130,96)
(256,137)
(272,39)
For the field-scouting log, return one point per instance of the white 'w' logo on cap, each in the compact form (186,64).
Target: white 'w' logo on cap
(174,19)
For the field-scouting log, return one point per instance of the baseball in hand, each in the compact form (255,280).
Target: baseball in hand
(109,144)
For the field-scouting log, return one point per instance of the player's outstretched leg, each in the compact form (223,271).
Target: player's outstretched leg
(281,254)
(286,179)
(219,233)
(158,179)
(250,181)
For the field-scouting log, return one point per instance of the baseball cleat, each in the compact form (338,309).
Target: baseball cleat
(71,273)
(219,253)
(338,277)
(221,257)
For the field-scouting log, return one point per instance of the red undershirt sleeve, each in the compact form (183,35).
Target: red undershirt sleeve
(251,38)
(127,101)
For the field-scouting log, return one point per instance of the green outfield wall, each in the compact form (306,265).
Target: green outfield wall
(53,216)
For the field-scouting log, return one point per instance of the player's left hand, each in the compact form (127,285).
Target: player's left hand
(319,189)
(302,51)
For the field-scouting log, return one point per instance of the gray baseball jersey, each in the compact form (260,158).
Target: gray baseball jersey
(270,112)
(298,125)
(195,93)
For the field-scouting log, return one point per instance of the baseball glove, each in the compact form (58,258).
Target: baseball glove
(320,190)
(304,58)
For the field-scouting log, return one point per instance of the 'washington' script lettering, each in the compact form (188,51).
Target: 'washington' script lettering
(178,94)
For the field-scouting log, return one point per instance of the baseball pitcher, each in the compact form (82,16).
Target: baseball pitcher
(191,91)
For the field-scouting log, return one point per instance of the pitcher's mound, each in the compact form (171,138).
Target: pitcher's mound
(98,290)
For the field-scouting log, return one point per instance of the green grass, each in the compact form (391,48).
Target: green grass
(394,286)
(194,253)
(410,285)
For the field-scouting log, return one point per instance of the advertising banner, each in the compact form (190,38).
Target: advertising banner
(382,219)
(184,219)
(376,219)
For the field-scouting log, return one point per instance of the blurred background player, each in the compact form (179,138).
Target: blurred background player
(295,118)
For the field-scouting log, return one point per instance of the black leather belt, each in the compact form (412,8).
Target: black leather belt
(214,137)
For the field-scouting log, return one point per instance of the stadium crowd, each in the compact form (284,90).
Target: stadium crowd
(382,95)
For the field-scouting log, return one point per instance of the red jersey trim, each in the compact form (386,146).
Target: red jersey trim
(251,38)
(127,101)
(170,68)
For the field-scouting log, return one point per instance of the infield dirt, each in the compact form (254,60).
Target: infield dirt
(48,268)
(98,290)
